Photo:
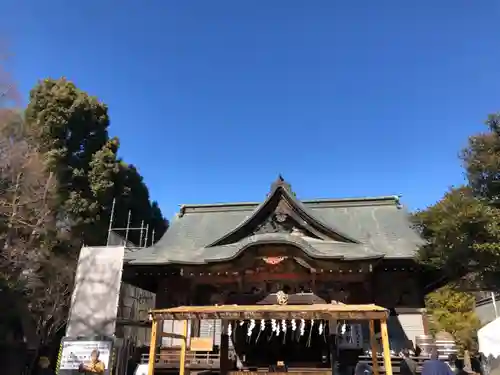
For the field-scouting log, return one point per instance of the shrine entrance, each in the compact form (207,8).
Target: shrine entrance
(296,324)
(298,343)
(266,276)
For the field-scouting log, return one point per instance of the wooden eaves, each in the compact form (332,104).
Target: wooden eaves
(244,312)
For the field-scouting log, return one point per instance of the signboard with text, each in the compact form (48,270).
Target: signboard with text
(77,353)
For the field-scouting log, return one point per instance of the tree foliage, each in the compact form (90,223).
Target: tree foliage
(59,175)
(35,277)
(71,128)
(481,160)
(463,235)
(452,311)
(463,229)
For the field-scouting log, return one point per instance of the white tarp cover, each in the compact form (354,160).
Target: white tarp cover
(489,346)
(94,304)
(489,339)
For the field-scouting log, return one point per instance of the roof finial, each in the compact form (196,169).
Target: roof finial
(280,182)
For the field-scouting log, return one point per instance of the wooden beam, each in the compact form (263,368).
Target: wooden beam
(172,335)
(386,347)
(265,276)
(268,315)
(182,365)
(152,348)
(243,312)
(373,342)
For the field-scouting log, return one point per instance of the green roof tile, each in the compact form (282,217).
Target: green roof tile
(380,227)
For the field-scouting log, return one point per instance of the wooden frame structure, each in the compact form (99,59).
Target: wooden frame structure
(240,312)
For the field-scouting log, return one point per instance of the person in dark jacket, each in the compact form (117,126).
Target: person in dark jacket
(461,368)
(434,366)
(476,364)
(408,365)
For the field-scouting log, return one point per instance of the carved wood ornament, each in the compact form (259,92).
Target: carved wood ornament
(281,298)
(283,219)
(273,260)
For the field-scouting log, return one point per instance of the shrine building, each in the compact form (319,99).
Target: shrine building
(352,251)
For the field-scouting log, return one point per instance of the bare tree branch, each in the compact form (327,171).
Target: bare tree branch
(29,265)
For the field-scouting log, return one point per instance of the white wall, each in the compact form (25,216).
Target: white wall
(411,322)
(94,302)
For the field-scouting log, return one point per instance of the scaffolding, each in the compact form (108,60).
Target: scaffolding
(143,230)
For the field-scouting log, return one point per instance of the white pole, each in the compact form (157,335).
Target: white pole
(493,300)
(111,220)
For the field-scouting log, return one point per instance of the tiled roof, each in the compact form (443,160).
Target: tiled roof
(373,227)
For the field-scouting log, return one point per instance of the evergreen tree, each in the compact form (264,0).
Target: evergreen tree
(59,174)
(463,229)
(481,159)
(70,128)
(463,236)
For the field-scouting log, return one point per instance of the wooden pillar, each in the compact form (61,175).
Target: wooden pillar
(425,324)
(152,347)
(241,284)
(182,365)
(313,281)
(224,349)
(373,344)
(386,347)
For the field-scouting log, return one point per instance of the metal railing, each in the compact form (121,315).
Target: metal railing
(395,363)
(194,360)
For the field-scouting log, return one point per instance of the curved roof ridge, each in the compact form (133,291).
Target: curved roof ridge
(285,238)
(283,188)
(369,200)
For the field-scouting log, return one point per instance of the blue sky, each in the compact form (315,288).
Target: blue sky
(212,99)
